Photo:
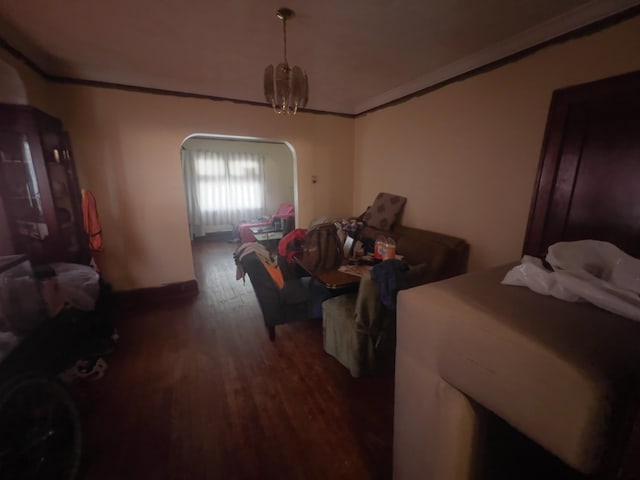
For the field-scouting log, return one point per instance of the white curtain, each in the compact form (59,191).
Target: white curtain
(222,189)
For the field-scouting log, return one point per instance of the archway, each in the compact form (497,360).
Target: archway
(12,89)
(279,186)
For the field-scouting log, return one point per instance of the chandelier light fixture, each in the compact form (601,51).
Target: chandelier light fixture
(285,88)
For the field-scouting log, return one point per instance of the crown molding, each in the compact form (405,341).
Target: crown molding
(580,17)
(594,15)
(19,55)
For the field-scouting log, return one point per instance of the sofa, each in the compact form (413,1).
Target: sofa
(358,330)
(444,255)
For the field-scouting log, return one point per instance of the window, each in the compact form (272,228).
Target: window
(223,188)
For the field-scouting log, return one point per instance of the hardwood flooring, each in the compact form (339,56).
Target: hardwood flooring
(197,391)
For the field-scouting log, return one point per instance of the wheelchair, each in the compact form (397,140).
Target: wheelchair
(40,430)
(41,434)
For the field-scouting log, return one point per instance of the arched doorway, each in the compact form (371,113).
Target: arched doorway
(277,171)
(229,180)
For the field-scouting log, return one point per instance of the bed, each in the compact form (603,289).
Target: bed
(565,375)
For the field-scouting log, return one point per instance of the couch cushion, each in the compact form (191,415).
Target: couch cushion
(385,211)
(445,255)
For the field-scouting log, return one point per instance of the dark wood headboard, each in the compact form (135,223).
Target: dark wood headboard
(588,183)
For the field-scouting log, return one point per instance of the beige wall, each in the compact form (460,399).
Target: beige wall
(127,150)
(19,84)
(278,166)
(466,155)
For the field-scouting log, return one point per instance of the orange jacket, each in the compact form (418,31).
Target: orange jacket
(91,221)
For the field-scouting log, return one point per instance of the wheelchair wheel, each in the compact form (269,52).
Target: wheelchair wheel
(40,430)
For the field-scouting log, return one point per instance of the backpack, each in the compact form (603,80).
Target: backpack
(321,248)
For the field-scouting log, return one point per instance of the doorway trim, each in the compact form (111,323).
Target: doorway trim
(239,138)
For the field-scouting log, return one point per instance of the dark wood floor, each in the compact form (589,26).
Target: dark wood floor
(197,391)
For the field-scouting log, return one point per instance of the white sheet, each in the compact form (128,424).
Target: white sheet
(584,271)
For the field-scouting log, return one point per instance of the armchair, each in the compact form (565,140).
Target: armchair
(294,301)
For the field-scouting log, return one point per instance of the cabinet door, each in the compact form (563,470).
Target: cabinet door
(21,191)
(66,199)
(39,187)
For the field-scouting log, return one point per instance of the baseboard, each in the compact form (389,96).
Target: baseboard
(142,297)
(215,237)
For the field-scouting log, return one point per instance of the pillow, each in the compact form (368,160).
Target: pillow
(385,211)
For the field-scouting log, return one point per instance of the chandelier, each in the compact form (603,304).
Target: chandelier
(285,88)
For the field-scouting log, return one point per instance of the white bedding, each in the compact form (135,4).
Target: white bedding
(584,271)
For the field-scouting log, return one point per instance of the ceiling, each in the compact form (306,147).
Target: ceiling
(358,54)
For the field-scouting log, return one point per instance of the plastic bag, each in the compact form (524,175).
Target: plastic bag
(602,260)
(531,273)
(78,284)
(587,270)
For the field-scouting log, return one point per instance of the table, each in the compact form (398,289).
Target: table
(332,279)
(266,235)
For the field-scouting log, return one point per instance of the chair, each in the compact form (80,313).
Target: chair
(297,300)
(281,220)
(359,331)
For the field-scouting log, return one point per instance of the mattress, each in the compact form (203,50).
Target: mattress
(556,371)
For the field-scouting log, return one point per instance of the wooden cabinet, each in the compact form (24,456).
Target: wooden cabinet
(39,187)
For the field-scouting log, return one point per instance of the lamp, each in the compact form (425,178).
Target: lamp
(286,88)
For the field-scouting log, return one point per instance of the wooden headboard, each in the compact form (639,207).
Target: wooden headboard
(588,183)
